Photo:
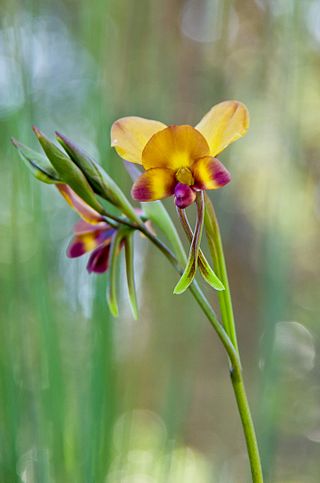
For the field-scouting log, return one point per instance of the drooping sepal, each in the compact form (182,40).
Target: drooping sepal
(69,171)
(206,271)
(97,177)
(38,164)
(128,246)
(192,262)
(208,274)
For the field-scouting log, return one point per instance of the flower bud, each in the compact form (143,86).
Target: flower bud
(98,178)
(68,171)
(37,163)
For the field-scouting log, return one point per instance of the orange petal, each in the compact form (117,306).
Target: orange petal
(154,184)
(223,124)
(210,174)
(174,147)
(85,211)
(129,135)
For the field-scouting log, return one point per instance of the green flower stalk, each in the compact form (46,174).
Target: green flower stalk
(179,161)
(225,300)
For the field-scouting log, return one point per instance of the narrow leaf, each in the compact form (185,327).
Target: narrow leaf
(192,262)
(37,163)
(206,271)
(68,171)
(98,178)
(130,274)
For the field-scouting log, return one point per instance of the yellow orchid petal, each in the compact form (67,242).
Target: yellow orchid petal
(154,184)
(223,124)
(210,174)
(129,135)
(174,147)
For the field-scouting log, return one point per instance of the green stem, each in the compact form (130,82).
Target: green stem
(248,427)
(225,337)
(216,248)
(222,332)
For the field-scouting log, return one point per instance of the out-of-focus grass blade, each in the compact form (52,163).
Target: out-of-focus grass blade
(128,245)
(112,282)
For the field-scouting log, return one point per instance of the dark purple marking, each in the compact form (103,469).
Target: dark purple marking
(99,260)
(141,191)
(75,249)
(220,174)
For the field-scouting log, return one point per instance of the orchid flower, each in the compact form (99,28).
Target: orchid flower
(91,234)
(179,160)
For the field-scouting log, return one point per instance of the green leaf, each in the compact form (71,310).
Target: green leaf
(69,172)
(192,262)
(37,163)
(130,274)
(112,282)
(97,177)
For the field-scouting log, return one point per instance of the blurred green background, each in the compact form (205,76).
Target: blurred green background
(84,398)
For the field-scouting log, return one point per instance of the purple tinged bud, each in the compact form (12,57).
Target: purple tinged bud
(184,195)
